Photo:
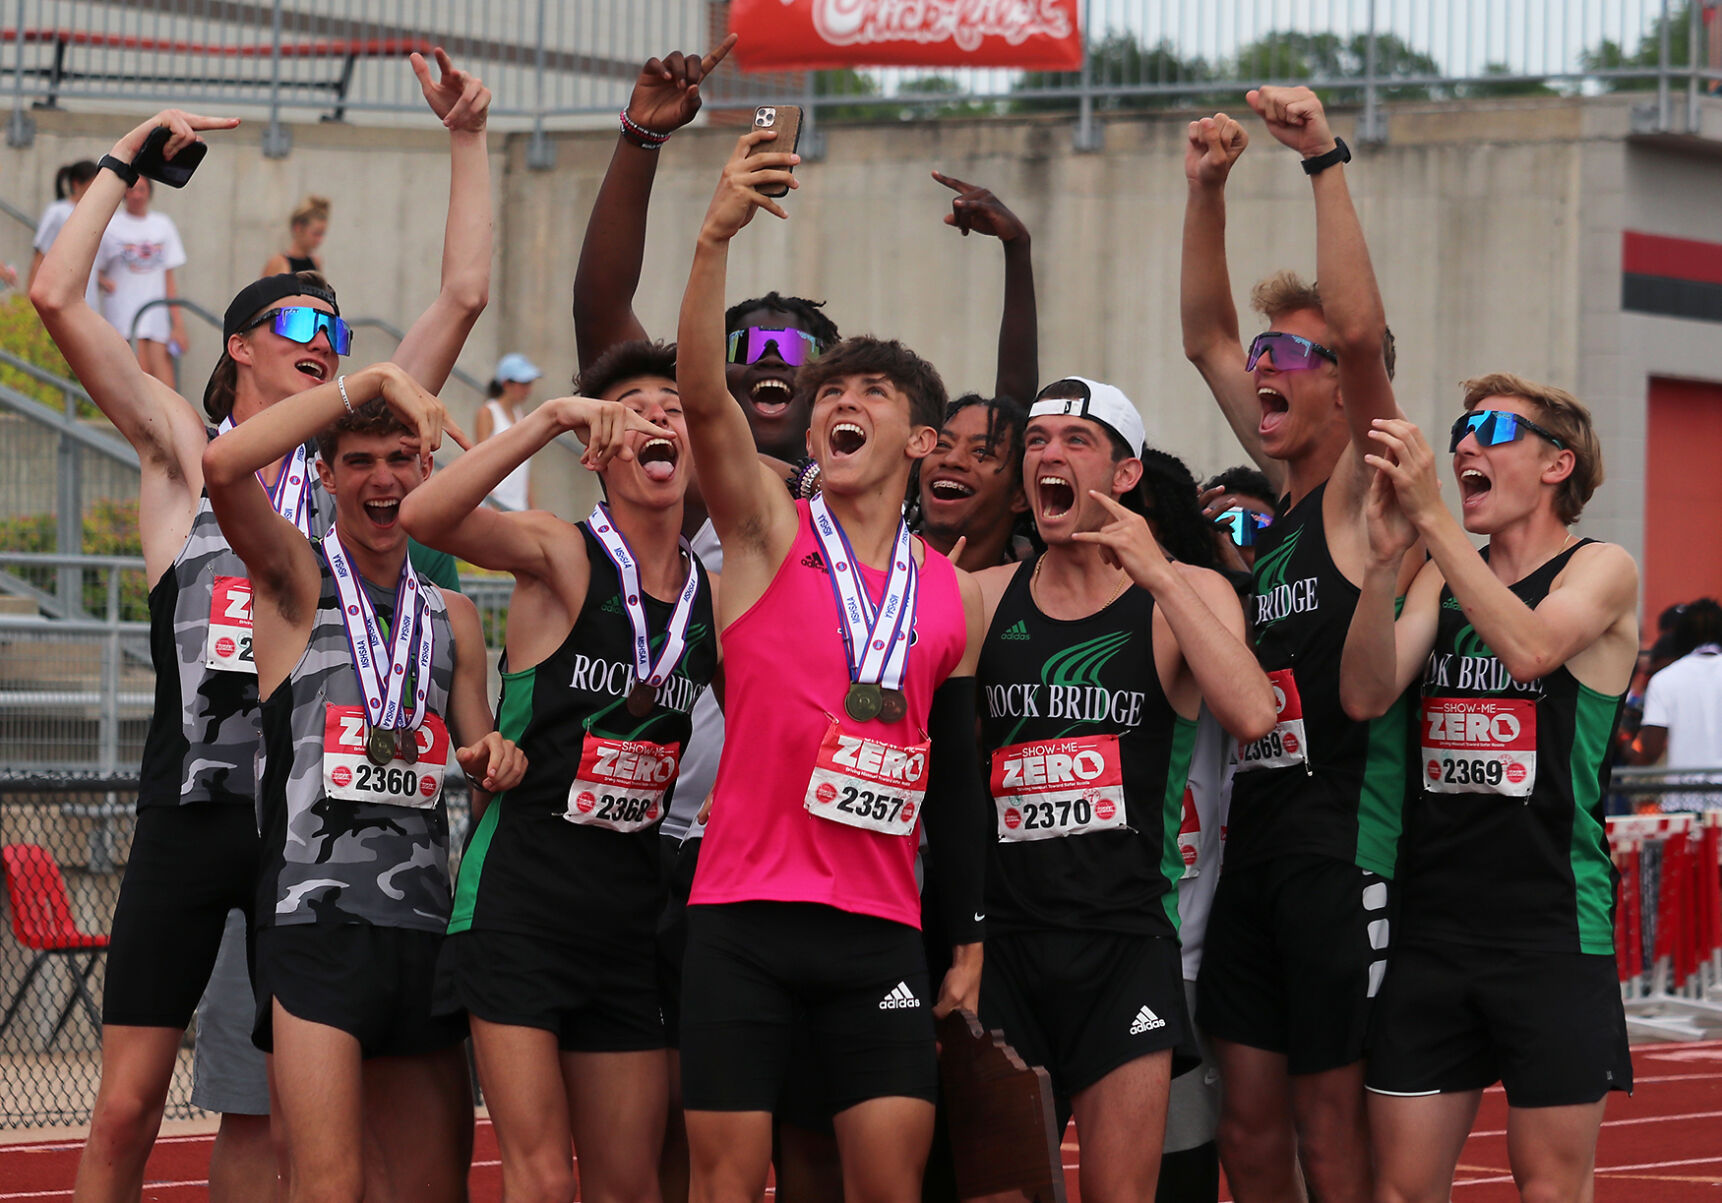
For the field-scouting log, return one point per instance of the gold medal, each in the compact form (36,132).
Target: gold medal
(863,701)
(379,746)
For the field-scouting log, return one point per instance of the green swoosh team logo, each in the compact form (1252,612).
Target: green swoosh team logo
(1270,571)
(1078,665)
(1468,644)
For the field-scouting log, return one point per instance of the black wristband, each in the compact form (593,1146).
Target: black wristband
(124,170)
(1341,153)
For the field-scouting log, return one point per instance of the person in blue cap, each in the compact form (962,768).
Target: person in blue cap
(508,391)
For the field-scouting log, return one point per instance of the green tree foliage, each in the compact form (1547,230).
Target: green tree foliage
(22,335)
(1296,57)
(1503,87)
(1119,59)
(852,85)
(1609,55)
(940,85)
(110,529)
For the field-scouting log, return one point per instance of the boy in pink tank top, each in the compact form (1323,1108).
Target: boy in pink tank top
(850,653)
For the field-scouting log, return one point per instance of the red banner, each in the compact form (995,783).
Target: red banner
(800,35)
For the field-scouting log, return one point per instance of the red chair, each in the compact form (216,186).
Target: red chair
(42,920)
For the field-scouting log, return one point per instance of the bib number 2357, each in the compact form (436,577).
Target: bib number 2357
(868,783)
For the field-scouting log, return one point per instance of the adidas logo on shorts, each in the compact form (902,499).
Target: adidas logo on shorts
(1017,630)
(900,998)
(1145,1021)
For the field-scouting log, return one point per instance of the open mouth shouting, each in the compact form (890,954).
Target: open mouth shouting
(949,488)
(383,512)
(847,438)
(1474,486)
(658,459)
(1274,408)
(770,396)
(1057,495)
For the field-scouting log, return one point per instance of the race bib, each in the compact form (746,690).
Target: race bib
(621,783)
(1479,746)
(868,783)
(1058,787)
(1285,744)
(227,644)
(348,773)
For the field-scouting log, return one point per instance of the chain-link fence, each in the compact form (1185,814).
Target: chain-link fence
(65,840)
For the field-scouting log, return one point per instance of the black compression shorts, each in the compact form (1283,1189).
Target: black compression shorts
(189,865)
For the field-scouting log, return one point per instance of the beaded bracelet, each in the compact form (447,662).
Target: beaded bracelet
(638,135)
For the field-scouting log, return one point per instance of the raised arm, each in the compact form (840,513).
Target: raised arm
(431,347)
(975,208)
(1205,307)
(165,431)
(748,505)
(448,513)
(1382,655)
(1199,626)
(666,97)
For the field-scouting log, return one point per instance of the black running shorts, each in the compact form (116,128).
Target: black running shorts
(189,865)
(859,982)
(1081,1004)
(594,1003)
(374,983)
(1294,954)
(1452,1017)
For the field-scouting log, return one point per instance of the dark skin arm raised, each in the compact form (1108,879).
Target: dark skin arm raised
(976,209)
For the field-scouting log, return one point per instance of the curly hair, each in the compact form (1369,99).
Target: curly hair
(889,358)
(811,313)
(373,417)
(1166,496)
(1245,481)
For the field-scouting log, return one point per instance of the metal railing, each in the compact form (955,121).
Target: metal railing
(557,61)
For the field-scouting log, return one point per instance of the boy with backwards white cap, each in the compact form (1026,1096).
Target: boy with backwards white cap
(1097,657)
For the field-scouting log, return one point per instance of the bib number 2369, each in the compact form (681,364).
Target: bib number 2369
(1285,744)
(868,783)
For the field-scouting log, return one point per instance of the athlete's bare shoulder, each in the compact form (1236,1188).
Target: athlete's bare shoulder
(992,583)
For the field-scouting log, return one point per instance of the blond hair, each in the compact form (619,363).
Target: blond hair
(1287,292)
(1566,417)
(312,208)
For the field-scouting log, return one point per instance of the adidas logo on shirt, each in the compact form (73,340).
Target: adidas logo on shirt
(1017,630)
(1145,1021)
(815,560)
(900,998)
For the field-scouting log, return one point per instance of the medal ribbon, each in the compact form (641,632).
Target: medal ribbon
(615,546)
(291,493)
(875,638)
(378,663)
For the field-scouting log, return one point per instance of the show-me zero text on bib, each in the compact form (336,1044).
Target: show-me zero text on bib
(1286,743)
(349,774)
(227,645)
(868,783)
(1479,746)
(1057,787)
(621,783)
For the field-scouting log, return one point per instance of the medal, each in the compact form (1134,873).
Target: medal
(291,493)
(648,676)
(863,701)
(384,666)
(875,637)
(379,746)
(893,706)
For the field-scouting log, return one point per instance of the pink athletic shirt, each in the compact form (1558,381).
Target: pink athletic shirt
(785,677)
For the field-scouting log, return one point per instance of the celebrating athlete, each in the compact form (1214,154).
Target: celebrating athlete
(610,641)
(371,679)
(805,896)
(194,857)
(1096,661)
(1503,965)
(1297,936)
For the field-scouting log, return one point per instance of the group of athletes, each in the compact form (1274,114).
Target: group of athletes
(983,707)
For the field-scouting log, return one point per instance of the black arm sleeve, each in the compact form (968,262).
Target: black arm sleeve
(956,813)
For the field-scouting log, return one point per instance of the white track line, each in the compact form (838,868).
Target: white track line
(1601,1169)
(1620,1123)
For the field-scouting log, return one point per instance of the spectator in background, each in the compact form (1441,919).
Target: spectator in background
(508,392)
(305,230)
(139,256)
(69,185)
(1683,704)
(1240,488)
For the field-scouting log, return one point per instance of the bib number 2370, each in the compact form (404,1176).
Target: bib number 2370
(868,783)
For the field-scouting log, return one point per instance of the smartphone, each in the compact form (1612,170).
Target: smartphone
(1245,526)
(173,172)
(786,120)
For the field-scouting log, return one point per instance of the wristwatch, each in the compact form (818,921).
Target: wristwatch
(124,170)
(1341,153)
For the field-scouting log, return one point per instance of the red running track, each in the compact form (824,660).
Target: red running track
(1662,1145)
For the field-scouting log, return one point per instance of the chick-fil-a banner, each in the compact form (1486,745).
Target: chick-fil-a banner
(798,35)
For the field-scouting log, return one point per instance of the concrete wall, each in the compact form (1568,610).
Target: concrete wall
(1494,227)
